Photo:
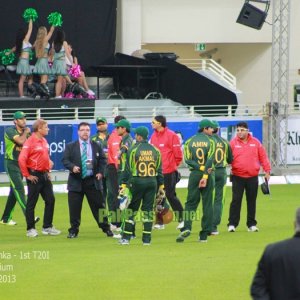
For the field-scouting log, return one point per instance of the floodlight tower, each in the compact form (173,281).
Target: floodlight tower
(278,110)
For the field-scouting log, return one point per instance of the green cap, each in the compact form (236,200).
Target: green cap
(215,124)
(123,123)
(101,119)
(142,131)
(19,115)
(206,123)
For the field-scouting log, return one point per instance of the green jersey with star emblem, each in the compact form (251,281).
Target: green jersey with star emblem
(12,149)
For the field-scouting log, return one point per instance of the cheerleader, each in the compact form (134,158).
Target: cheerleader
(22,50)
(80,77)
(59,67)
(42,47)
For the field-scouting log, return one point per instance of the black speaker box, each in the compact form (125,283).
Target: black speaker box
(251,16)
(160,55)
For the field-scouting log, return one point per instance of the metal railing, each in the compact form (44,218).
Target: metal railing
(212,66)
(142,112)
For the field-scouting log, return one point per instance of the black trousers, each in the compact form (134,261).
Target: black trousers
(44,188)
(112,191)
(239,185)
(104,191)
(170,185)
(95,200)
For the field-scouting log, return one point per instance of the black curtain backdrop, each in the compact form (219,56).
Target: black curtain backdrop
(90,26)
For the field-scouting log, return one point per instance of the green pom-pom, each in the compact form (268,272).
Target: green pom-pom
(55,19)
(30,14)
(31,55)
(7,59)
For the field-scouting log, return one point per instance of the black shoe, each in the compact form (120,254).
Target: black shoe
(43,91)
(72,235)
(109,233)
(31,90)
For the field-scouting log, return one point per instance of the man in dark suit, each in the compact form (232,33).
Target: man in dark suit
(278,272)
(86,162)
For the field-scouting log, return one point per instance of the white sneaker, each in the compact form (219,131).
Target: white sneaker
(90,92)
(253,229)
(180,225)
(231,228)
(215,232)
(146,244)
(124,242)
(9,223)
(32,232)
(159,226)
(51,231)
(117,236)
(115,228)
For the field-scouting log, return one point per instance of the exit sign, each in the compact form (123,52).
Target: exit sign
(200,47)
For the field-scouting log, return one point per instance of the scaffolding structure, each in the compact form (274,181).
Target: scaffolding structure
(278,106)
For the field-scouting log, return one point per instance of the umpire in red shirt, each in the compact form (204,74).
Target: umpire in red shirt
(249,156)
(35,164)
(168,143)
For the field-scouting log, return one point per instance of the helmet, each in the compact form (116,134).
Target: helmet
(166,215)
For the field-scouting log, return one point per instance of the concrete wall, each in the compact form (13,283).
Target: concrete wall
(176,25)
(195,21)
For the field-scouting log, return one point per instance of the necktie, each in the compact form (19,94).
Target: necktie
(83,159)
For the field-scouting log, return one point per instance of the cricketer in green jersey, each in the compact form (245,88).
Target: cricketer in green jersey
(123,130)
(143,173)
(123,127)
(14,138)
(199,153)
(101,138)
(223,157)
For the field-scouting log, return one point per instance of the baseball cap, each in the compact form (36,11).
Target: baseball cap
(101,119)
(142,131)
(206,123)
(123,123)
(215,124)
(19,115)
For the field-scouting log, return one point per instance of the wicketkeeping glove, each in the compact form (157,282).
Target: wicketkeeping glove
(122,189)
(124,197)
(161,195)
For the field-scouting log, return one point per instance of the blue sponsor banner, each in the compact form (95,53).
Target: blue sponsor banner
(61,134)
(189,128)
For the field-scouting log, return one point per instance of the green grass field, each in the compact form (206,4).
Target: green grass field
(96,267)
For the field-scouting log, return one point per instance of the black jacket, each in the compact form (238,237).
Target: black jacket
(72,157)
(278,272)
